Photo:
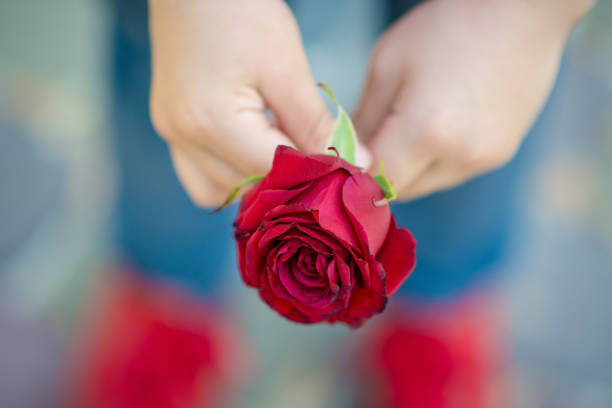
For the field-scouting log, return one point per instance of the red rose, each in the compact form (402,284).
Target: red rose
(312,241)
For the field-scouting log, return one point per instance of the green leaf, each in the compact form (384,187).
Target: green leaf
(385,184)
(344,137)
(234,193)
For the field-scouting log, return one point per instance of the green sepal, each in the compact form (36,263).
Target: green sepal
(385,184)
(344,137)
(235,191)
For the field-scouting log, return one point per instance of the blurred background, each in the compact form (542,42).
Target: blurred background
(58,185)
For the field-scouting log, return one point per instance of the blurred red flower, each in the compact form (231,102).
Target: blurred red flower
(147,346)
(442,357)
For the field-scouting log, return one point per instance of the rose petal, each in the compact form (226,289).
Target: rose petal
(273,282)
(332,276)
(312,297)
(397,256)
(283,307)
(357,195)
(272,232)
(291,213)
(291,168)
(296,312)
(347,281)
(282,253)
(250,217)
(252,261)
(319,314)
(363,305)
(314,243)
(309,280)
(324,237)
(325,195)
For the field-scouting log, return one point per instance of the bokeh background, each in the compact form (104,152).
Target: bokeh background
(58,183)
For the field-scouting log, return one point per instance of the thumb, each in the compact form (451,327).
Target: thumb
(301,114)
(292,95)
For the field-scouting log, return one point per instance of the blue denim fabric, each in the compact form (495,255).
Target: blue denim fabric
(158,229)
(460,233)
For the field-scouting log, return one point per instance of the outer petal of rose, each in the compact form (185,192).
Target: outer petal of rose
(250,261)
(325,195)
(397,256)
(363,306)
(283,307)
(368,267)
(252,216)
(291,167)
(297,313)
(241,254)
(357,195)
(315,315)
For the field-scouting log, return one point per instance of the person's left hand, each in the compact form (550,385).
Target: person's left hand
(454,86)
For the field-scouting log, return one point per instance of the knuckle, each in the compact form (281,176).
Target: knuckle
(486,160)
(193,121)
(380,64)
(183,120)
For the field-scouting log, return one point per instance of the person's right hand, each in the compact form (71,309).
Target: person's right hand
(217,66)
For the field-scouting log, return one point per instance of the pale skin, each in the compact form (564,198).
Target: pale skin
(452,89)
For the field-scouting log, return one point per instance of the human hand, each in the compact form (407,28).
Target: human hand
(454,86)
(217,66)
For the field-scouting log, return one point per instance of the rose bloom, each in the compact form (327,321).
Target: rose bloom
(312,241)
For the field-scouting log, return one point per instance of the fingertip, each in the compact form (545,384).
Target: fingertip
(318,135)
(363,157)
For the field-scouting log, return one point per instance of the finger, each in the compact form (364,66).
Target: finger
(200,188)
(363,157)
(222,173)
(376,101)
(291,93)
(440,176)
(240,135)
(249,142)
(404,157)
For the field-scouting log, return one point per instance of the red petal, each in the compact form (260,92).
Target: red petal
(357,195)
(291,167)
(283,307)
(251,263)
(363,305)
(250,217)
(397,256)
(325,195)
